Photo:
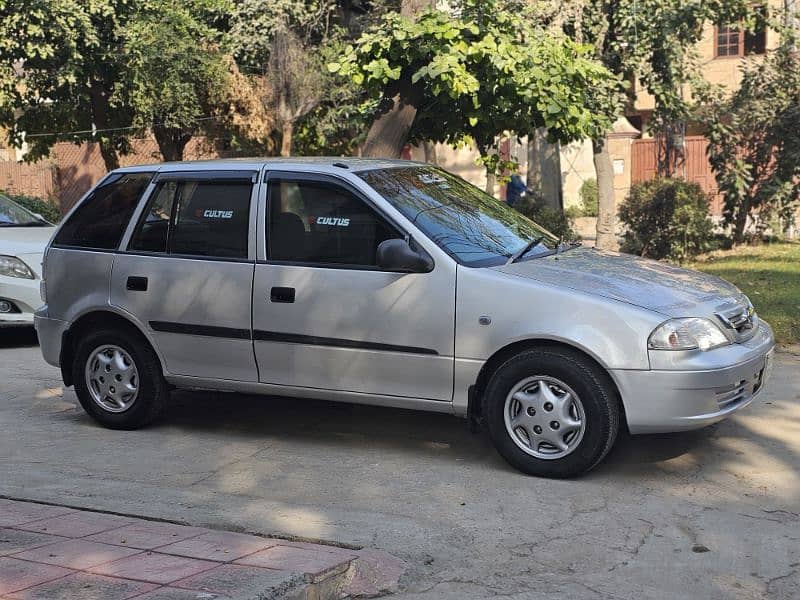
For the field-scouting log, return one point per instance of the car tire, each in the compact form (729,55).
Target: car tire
(551,412)
(132,365)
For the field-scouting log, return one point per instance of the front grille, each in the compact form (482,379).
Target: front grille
(741,320)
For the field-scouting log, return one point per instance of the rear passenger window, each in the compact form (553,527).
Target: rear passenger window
(323,223)
(196,218)
(101,219)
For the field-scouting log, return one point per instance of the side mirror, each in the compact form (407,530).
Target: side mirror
(397,255)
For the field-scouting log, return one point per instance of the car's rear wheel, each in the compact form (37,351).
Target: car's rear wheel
(551,412)
(118,379)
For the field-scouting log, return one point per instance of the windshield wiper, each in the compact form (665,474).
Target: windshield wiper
(524,250)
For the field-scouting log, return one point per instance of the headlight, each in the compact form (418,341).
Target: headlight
(687,334)
(10,266)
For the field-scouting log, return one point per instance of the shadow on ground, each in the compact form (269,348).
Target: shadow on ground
(18,337)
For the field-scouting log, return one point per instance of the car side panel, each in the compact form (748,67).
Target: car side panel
(77,282)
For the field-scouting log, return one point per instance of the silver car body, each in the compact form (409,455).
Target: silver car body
(414,340)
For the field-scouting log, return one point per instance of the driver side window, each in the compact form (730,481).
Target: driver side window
(315,222)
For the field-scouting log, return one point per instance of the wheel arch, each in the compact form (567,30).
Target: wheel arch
(94,320)
(475,409)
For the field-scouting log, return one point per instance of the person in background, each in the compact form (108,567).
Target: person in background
(514,190)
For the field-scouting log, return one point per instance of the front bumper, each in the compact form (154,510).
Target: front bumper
(659,401)
(24,293)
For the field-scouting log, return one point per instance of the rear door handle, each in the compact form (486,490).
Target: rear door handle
(136,284)
(282,294)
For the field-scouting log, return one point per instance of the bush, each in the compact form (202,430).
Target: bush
(39,206)
(589,197)
(555,221)
(666,218)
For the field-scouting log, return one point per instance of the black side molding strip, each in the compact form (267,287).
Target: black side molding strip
(204,330)
(288,338)
(312,340)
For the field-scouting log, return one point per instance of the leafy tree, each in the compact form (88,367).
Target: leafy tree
(754,141)
(478,74)
(105,69)
(174,75)
(648,40)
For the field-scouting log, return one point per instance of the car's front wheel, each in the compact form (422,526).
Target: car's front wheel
(118,379)
(551,412)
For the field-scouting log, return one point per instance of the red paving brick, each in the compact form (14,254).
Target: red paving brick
(13,514)
(14,540)
(171,593)
(224,546)
(146,535)
(17,574)
(84,586)
(154,568)
(239,581)
(288,558)
(77,524)
(76,554)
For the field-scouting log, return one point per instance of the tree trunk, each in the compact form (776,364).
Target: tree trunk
(430,153)
(389,131)
(491,182)
(287,131)
(533,179)
(607,210)
(550,164)
(171,142)
(98,98)
(740,222)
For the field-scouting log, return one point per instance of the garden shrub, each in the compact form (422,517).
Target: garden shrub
(555,221)
(589,197)
(41,206)
(666,218)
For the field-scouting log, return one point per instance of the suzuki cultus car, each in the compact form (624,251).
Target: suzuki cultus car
(388,283)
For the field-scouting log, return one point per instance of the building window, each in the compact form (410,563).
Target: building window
(732,41)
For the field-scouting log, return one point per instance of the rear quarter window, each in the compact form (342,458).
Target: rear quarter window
(100,220)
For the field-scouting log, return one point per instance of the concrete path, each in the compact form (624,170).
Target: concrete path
(50,551)
(709,514)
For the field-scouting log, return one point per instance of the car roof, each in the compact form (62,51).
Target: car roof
(301,163)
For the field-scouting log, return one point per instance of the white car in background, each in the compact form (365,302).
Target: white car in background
(23,237)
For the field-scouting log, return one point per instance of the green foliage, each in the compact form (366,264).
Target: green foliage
(559,222)
(82,57)
(589,197)
(40,206)
(754,143)
(666,218)
(487,70)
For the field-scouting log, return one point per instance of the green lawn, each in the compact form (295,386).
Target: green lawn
(770,275)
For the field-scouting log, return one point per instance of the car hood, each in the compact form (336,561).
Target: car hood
(26,243)
(650,284)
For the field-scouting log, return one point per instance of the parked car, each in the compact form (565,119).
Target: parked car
(23,237)
(388,283)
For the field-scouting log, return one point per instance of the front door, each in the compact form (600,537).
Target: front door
(326,317)
(187,273)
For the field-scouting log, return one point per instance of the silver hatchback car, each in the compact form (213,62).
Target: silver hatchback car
(388,283)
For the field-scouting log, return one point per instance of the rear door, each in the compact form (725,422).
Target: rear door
(326,317)
(187,272)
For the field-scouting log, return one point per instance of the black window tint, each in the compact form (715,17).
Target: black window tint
(151,233)
(322,223)
(212,219)
(101,219)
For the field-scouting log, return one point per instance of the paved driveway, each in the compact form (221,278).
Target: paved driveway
(711,514)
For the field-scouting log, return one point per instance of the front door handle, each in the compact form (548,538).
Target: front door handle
(282,294)
(136,284)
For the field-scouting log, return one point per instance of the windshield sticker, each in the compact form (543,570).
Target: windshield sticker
(338,222)
(432,178)
(217,214)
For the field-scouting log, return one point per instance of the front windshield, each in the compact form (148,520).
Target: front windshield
(13,215)
(466,222)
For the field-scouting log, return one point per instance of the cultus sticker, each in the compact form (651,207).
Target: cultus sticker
(339,222)
(218,214)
